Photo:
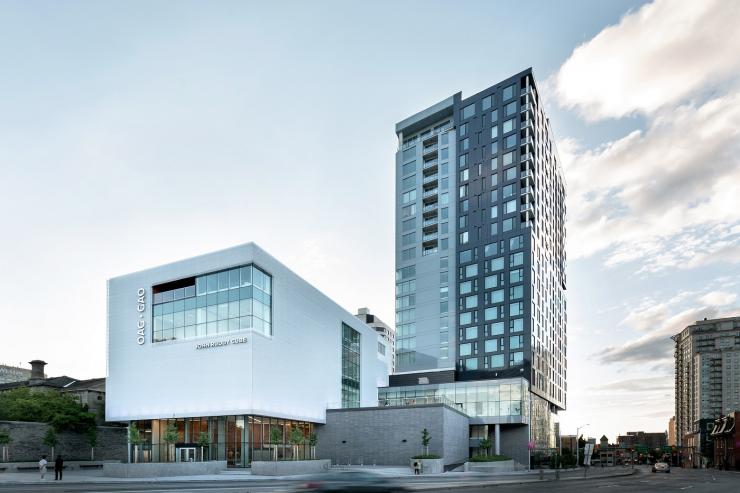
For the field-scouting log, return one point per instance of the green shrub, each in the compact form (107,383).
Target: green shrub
(489,458)
(61,411)
(426,456)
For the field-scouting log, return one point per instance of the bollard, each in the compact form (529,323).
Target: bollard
(542,474)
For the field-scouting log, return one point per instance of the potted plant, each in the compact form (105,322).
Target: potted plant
(203,442)
(5,440)
(134,437)
(170,437)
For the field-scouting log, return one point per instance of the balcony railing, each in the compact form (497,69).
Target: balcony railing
(430,164)
(527,140)
(527,156)
(431,192)
(416,139)
(430,208)
(526,123)
(430,178)
(430,149)
(430,222)
(430,237)
(525,107)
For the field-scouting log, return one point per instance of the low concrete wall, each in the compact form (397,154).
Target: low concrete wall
(430,466)
(289,467)
(494,467)
(163,469)
(69,465)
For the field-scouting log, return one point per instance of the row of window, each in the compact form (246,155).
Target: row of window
(492,345)
(516,309)
(493,361)
(489,101)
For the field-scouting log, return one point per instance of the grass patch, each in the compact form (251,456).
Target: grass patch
(489,458)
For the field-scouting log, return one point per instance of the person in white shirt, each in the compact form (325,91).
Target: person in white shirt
(42,466)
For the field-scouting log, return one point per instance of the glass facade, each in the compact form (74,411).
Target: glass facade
(213,304)
(350,367)
(484,398)
(238,439)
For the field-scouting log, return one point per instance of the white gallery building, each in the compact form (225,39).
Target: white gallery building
(233,346)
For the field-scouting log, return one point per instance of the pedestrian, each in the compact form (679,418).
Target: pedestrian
(58,468)
(42,466)
(416,468)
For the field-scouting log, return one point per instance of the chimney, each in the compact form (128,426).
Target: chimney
(37,371)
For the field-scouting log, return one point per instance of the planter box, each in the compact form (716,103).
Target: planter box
(493,467)
(289,467)
(430,466)
(163,469)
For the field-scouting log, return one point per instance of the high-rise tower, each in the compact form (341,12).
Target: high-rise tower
(480,261)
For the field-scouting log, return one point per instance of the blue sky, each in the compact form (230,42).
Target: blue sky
(136,133)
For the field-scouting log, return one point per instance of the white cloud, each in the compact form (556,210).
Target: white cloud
(718,298)
(660,54)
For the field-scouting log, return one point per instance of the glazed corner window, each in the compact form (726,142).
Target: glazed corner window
(408,182)
(408,168)
(409,196)
(409,153)
(487,102)
(467,112)
(508,92)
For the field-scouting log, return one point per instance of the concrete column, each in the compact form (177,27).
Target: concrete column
(497,436)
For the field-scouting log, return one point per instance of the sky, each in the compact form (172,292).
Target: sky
(139,133)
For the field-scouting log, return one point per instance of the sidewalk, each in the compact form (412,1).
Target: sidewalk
(455,479)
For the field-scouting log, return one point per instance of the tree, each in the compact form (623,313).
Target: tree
(312,441)
(92,439)
(135,438)
(276,437)
(485,444)
(51,440)
(170,437)
(61,411)
(425,439)
(296,438)
(203,441)
(5,440)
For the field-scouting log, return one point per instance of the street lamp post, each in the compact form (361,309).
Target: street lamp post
(577,448)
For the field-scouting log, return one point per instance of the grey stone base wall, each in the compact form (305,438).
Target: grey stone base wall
(163,469)
(289,467)
(28,443)
(392,435)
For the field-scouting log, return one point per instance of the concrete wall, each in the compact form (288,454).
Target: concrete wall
(392,435)
(514,443)
(163,469)
(289,467)
(28,438)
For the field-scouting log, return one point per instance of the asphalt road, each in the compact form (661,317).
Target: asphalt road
(692,481)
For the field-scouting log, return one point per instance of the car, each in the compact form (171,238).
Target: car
(661,467)
(354,481)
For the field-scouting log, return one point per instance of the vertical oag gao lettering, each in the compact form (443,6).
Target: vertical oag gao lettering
(141,324)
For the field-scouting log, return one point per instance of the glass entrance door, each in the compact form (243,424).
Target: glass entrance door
(186,454)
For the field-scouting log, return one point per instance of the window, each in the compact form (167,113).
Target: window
(508,158)
(491,282)
(465,144)
(508,191)
(408,210)
(516,358)
(496,264)
(516,325)
(381,348)
(471,364)
(405,272)
(516,242)
(516,275)
(408,254)
(508,93)
(508,125)
(516,292)
(444,153)
(409,153)
(462,129)
(494,131)
(516,259)
(508,224)
(510,141)
(487,102)
(350,367)
(491,345)
(408,239)
(462,222)
(409,224)
(409,167)
(516,309)
(406,287)
(509,206)
(495,329)
(497,361)
(471,332)
(471,302)
(465,318)
(463,190)
(409,196)
(494,211)
(491,313)
(467,112)
(466,287)
(464,206)
(494,116)
(408,182)
(497,296)
(510,174)
(444,292)
(444,199)
(471,271)
(494,179)
(462,160)
(464,237)
(464,175)
(510,109)
(490,249)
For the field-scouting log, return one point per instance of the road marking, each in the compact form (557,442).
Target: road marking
(686,487)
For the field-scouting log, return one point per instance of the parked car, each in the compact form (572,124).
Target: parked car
(354,481)
(661,467)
